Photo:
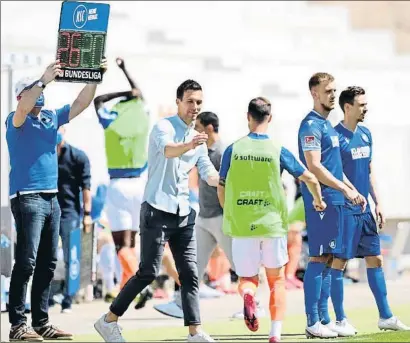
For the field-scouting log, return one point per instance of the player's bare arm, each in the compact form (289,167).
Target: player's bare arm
(375,196)
(313,160)
(100,100)
(29,97)
(135,89)
(313,185)
(86,96)
(221,192)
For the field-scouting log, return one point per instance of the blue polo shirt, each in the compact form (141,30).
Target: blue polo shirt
(33,152)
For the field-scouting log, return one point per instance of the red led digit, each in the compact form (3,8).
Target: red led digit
(75,51)
(62,51)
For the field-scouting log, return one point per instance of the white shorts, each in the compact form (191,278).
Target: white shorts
(249,254)
(123,202)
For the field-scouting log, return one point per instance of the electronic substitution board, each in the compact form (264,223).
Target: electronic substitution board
(82,36)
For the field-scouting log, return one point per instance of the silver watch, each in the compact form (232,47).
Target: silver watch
(40,84)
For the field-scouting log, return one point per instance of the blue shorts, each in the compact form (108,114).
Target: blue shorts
(360,237)
(325,230)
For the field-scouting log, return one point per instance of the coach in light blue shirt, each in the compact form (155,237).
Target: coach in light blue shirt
(167,187)
(31,134)
(174,149)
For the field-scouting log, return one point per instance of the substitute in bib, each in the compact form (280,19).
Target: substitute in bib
(255,211)
(126,129)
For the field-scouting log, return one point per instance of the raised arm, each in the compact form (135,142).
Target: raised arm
(100,100)
(28,96)
(85,97)
(131,81)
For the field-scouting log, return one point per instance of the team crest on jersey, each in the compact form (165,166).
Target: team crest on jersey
(332,244)
(365,138)
(46,119)
(335,141)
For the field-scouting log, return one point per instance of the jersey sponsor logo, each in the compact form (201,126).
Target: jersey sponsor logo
(310,142)
(252,158)
(321,215)
(252,198)
(365,138)
(335,141)
(361,152)
(252,202)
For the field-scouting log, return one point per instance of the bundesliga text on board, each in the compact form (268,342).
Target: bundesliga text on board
(82,75)
(80,16)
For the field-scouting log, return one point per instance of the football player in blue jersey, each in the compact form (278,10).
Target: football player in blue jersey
(319,151)
(360,234)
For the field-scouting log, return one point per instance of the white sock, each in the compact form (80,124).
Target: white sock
(107,266)
(276,328)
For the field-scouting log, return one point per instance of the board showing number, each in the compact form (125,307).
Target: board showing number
(81,41)
(83,50)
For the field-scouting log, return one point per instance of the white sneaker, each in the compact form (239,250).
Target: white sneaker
(110,332)
(342,328)
(260,312)
(392,323)
(318,330)
(200,337)
(206,292)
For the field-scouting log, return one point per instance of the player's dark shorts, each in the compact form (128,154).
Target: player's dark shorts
(325,230)
(360,237)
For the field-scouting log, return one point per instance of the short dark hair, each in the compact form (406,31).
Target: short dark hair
(259,108)
(188,85)
(317,78)
(209,118)
(347,96)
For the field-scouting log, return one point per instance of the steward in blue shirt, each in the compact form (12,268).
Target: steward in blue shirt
(31,134)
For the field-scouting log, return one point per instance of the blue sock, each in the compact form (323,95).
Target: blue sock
(312,284)
(377,284)
(337,293)
(324,296)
